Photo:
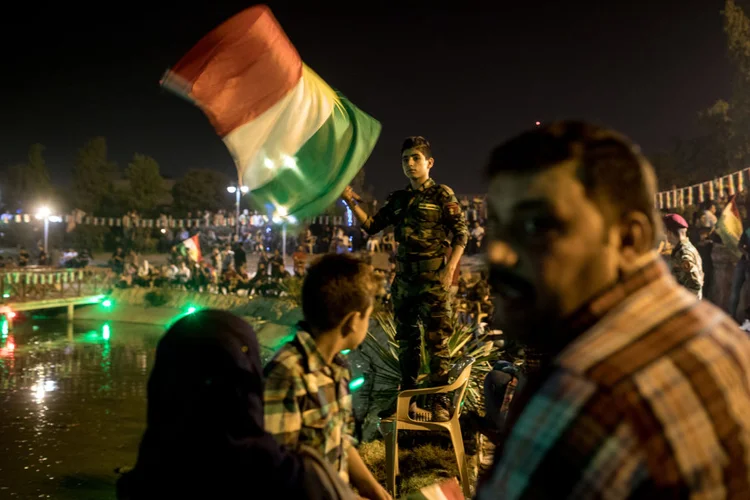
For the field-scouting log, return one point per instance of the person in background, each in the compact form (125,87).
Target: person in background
(300,261)
(708,218)
(477,235)
(205,436)
(277,265)
(240,256)
(640,389)
(307,382)
(687,265)
(741,270)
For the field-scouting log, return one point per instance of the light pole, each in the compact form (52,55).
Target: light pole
(44,213)
(239,192)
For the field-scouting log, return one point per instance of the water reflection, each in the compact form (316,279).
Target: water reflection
(72,406)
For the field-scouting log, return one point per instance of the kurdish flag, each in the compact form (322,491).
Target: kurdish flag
(729,227)
(191,247)
(296,142)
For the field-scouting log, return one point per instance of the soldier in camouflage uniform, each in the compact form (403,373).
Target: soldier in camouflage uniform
(423,215)
(687,265)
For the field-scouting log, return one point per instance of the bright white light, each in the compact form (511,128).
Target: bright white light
(276,220)
(538,123)
(268,163)
(55,218)
(41,388)
(232,189)
(163,231)
(292,219)
(288,161)
(43,212)
(282,211)
(244,189)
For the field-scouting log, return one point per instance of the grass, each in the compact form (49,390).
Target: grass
(421,465)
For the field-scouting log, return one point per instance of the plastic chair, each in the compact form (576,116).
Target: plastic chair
(373,245)
(402,422)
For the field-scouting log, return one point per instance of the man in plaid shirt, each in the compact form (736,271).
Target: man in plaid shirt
(643,390)
(307,398)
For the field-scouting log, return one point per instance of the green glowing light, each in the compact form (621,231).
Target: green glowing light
(107,303)
(191,310)
(5,327)
(6,295)
(282,341)
(106,332)
(346,351)
(356,383)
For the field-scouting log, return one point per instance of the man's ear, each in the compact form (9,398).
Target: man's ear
(637,236)
(430,163)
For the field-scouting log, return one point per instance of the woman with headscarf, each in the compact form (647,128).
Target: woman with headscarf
(205,435)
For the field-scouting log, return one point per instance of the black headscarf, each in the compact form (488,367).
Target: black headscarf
(205,436)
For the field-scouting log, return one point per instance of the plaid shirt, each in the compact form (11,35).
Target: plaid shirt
(651,397)
(308,402)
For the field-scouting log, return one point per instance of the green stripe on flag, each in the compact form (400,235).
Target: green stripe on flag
(325,164)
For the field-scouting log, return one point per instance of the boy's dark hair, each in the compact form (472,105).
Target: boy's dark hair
(419,143)
(336,285)
(617,177)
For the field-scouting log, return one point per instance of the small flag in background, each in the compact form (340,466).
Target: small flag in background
(191,247)
(729,227)
(447,490)
(296,142)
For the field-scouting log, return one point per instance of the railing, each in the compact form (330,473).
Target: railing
(34,284)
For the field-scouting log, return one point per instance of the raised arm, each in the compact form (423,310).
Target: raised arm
(371,225)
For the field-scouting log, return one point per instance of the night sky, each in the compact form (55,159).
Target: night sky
(466,77)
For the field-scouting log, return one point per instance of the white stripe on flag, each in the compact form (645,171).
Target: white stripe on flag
(264,145)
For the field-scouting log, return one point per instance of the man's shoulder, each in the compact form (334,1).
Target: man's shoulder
(684,345)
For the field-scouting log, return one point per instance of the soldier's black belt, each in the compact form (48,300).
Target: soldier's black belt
(419,266)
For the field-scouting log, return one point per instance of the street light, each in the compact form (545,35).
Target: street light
(44,213)
(239,192)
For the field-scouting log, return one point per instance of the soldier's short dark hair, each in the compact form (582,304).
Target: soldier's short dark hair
(419,143)
(336,285)
(617,177)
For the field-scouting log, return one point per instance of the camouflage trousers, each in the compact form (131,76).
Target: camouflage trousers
(421,299)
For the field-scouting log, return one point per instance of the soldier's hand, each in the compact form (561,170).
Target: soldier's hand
(349,195)
(446,278)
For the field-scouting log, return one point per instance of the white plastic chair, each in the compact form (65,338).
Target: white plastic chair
(402,422)
(373,244)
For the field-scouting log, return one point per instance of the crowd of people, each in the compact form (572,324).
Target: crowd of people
(696,250)
(632,385)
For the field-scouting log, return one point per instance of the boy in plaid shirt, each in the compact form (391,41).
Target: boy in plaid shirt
(307,398)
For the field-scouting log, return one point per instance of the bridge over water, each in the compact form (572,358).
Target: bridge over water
(35,288)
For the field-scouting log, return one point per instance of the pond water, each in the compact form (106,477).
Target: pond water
(72,405)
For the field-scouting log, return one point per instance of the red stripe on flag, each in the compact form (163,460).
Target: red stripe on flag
(241,68)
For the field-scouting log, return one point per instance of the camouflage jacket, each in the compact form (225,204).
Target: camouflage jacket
(687,267)
(422,220)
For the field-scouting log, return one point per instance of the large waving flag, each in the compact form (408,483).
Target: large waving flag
(729,227)
(296,142)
